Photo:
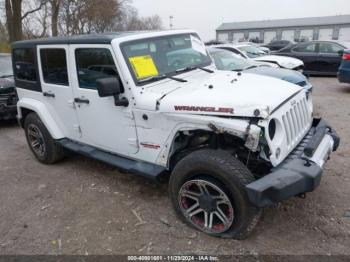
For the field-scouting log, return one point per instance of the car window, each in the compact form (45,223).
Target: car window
(5,65)
(110,71)
(95,68)
(89,62)
(251,51)
(226,60)
(330,48)
(305,48)
(25,64)
(233,50)
(54,66)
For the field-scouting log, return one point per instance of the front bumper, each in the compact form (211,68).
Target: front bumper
(302,170)
(7,112)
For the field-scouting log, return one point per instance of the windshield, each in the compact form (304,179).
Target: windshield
(226,60)
(251,51)
(164,56)
(5,65)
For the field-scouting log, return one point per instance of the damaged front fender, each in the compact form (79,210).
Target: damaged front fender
(251,134)
(253,138)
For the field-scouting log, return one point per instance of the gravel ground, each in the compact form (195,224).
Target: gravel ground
(80,206)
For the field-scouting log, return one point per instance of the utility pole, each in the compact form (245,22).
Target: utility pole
(171,25)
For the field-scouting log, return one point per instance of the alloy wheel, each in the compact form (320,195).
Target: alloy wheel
(206,206)
(36,140)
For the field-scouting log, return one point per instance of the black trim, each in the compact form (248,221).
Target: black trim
(296,175)
(144,169)
(313,144)
(285,101)
(78,39)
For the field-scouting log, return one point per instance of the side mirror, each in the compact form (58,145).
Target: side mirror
(111,87)
(108,87)
(341,52)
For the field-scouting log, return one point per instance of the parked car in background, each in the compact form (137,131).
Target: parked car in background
(8,95)
(278,45)
(262,48)
(344,69)
(254,53)
(226,60)
(319,57)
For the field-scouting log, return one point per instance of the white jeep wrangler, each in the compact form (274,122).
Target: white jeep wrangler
(153,104)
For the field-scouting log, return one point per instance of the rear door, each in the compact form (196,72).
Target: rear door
(103,124)
(57,87)
(330,57)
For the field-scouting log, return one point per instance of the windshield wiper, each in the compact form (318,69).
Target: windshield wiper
(250,67)
(6,76)
(190,68)
(155,78)
(206,69)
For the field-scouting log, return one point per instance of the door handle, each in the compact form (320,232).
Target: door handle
(81,100)
(49,94)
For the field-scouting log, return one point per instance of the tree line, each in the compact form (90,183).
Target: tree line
(25,19)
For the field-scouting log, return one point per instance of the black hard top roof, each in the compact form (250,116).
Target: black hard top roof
(105,38)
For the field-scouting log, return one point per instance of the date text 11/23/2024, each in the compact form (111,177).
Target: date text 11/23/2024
(173,258)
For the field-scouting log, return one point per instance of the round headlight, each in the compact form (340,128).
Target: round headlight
(272,129)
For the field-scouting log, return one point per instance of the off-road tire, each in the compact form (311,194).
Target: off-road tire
(53,152)
(230,175)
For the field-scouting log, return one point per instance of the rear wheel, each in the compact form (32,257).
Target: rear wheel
(40,141)
(207,189)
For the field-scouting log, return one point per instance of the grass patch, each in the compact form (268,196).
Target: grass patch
(5,47)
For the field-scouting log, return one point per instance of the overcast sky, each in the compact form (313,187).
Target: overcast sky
(206,15)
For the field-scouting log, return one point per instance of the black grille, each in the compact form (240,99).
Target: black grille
(8,98)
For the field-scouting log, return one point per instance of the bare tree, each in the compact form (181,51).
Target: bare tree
(36,24)
(3,33)
(55,8)
(131,21)
(14,17)
(36,18)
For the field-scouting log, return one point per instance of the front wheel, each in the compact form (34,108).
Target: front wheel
(207,189)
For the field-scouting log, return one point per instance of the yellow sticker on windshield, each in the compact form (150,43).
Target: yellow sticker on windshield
(143,66)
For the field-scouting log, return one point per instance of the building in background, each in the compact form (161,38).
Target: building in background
(298,29)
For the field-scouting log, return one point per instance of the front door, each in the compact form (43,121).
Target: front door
(102,124)
(57,88)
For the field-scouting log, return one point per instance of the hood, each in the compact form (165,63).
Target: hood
(6,84)
(291,76)
(221,93)
(282,61)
